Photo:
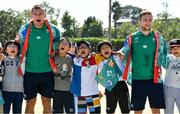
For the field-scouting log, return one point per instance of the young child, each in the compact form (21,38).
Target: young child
(1,67)
(84,85)
(119,93)
(1,74)
(63,98)
(172,78)
(12,83)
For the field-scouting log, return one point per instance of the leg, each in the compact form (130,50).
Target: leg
(46,89)
(58,102)
(82,106)
(156,97)
(46,102)
(122,93)
(138,95)
(30,91)
(93,103)
(177,98)
(138,112)
(169,100)
(124,102)
(69,102)
(1,109)
(155,111)
(30,105)
(111,101)
(7,101)
(17,102)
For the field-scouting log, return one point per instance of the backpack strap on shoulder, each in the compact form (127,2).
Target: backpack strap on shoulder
(125,74)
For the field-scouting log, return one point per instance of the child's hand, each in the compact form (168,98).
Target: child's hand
(78,56)
(1,56)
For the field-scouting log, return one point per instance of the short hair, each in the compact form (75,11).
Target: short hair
(37,7)
(101,43)
(10,42)
(66,39)
(144,12)
(83,42)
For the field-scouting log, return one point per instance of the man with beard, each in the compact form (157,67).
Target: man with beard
(145,52)
(38,39)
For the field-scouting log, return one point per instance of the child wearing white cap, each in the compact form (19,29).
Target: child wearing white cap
(172,78)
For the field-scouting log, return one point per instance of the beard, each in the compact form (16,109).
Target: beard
(146,29)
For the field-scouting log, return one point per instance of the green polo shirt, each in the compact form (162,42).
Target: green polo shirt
(143,51)
(38,50)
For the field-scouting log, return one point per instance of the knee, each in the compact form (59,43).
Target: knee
(46,102)
(30,105)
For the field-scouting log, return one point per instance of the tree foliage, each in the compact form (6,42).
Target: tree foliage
(70,25)
(126,29)
(169,28)
(92,28)
(10,23)
(51,13)
(131,12)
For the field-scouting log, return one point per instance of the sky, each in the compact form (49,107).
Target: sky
(81,9)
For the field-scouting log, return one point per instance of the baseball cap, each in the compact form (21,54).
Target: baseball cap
(174,42)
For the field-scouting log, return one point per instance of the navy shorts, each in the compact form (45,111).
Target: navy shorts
(42,83)
(141,89)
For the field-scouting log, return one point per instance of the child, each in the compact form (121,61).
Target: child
(1,74)
(119,92)
(63,98)
(12,83)
(172,78)
(84,85)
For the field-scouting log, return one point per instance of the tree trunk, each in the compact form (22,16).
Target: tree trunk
(115,31)
(109,30)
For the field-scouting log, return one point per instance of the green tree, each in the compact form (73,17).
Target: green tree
(51,13)
(126,29)
(168,27)
(25,15)
(92,28)
(70,25)
(117,12)
(10,23)
(131,12)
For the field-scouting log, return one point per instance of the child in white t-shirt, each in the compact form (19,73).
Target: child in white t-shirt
(172,78)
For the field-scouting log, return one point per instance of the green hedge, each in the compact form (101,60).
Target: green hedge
(117,43)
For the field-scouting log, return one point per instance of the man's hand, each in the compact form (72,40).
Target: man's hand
(121,55)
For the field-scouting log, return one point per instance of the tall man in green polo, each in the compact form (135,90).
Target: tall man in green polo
(38,38)
(145,52)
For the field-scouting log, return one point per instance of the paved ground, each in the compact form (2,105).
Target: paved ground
(38,107)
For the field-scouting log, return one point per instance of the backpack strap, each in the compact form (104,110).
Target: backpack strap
(125,74)
(51,50)
(157,69)
(24,49)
